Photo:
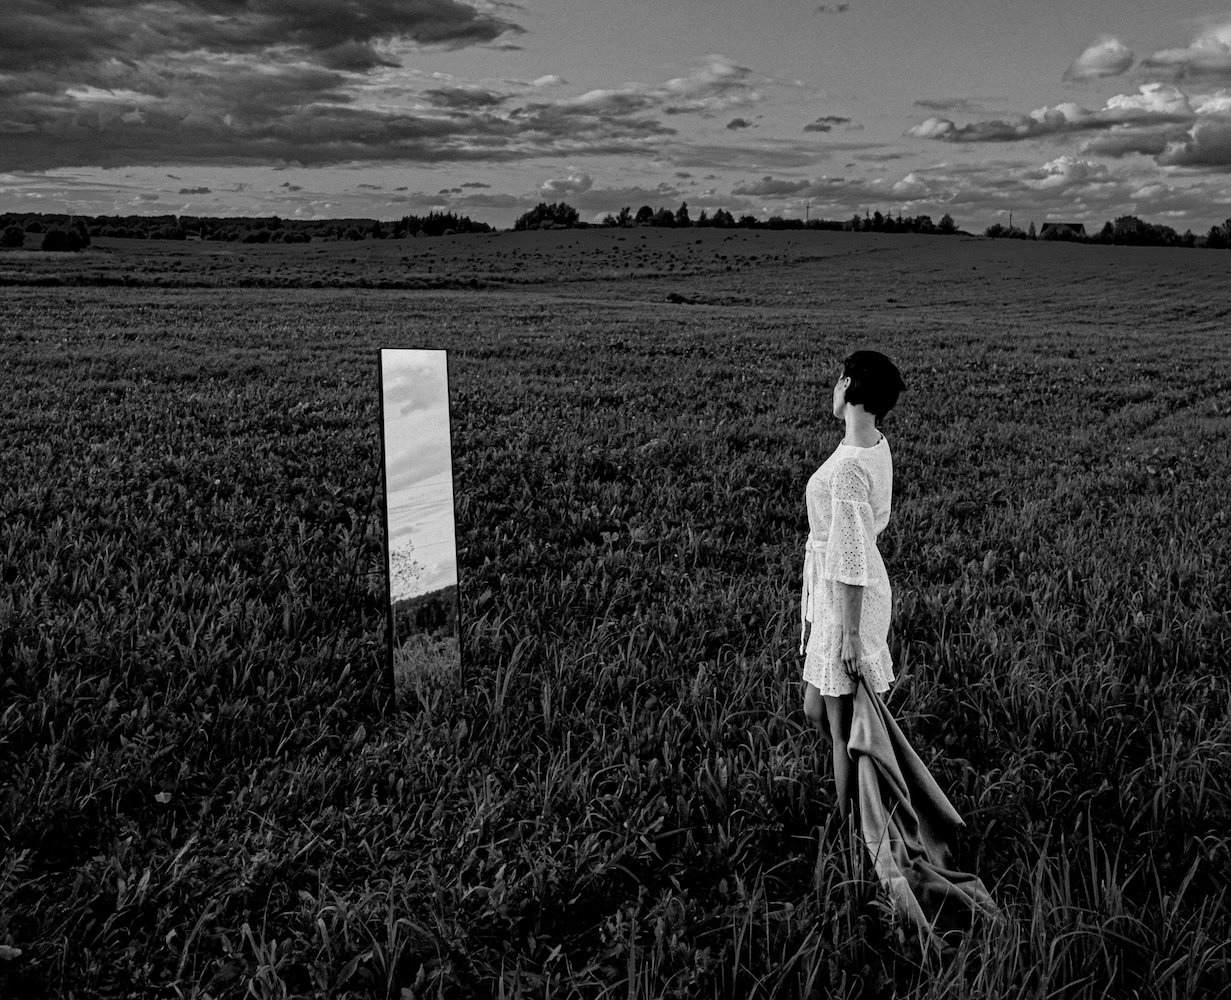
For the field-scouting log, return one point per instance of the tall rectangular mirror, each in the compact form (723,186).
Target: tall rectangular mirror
(423,634)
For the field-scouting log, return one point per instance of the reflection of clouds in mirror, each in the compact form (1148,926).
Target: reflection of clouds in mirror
(419,469)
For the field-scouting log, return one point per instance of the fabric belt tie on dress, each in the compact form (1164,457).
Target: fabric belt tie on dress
(814,552)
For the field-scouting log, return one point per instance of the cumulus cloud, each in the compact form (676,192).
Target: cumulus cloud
(1159,120)
(1209,54)
(550,80)
(558,187)
(1207,145)
(1064,172)
(912,187)
(826,123)
(1154,104)
(1120,142)
(1106,57)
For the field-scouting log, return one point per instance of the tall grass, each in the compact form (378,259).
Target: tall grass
(206,791)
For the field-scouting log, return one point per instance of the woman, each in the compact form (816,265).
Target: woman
(846,595)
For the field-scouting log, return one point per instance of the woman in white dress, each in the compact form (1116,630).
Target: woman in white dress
(846,597)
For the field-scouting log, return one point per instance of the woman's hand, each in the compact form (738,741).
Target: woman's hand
(852,654)
(852,645)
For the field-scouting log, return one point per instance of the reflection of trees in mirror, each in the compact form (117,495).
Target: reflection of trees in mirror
(433,614)
(404,572)
(425,640)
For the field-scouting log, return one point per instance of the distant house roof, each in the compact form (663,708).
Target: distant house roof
(1077,228)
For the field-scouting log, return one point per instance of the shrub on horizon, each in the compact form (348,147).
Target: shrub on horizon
(59,240)
(544,215)
(14,236)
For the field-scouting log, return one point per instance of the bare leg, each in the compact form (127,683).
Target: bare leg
(840,709)
(814,711)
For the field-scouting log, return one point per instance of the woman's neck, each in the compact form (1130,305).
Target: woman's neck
(860,427)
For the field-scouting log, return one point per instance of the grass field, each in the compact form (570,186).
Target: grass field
(205,792)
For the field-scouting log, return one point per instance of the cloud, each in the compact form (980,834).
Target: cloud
(550,80)
(1122,142)
(768,186)
(1208,146)
(196,190)
(1154,104)
(738,123)
(1064,172)
(1106,57)
(161,95)
(963,104)
(1177,129)
(39,35)
(573,184)
(1209,54)
(826,123)
(714,87)
(463,98)
(833,8)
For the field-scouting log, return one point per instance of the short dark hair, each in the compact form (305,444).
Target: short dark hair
(875,381)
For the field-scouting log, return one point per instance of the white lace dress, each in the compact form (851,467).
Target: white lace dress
(848,500)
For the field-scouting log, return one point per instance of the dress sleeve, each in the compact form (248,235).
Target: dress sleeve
(846,555)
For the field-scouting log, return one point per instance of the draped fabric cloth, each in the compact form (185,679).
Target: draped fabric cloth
(909,825)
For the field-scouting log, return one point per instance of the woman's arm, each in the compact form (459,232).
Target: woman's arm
(852,644)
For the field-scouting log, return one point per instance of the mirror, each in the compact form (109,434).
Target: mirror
(422,633)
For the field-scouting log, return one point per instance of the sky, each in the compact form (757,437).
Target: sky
(419,470)
(1049,109)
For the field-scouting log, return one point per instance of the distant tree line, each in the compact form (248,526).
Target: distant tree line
(563,216)
(74,236)
(1127,230)
(75,232)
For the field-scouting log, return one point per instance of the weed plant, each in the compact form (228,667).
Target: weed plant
(205,790)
